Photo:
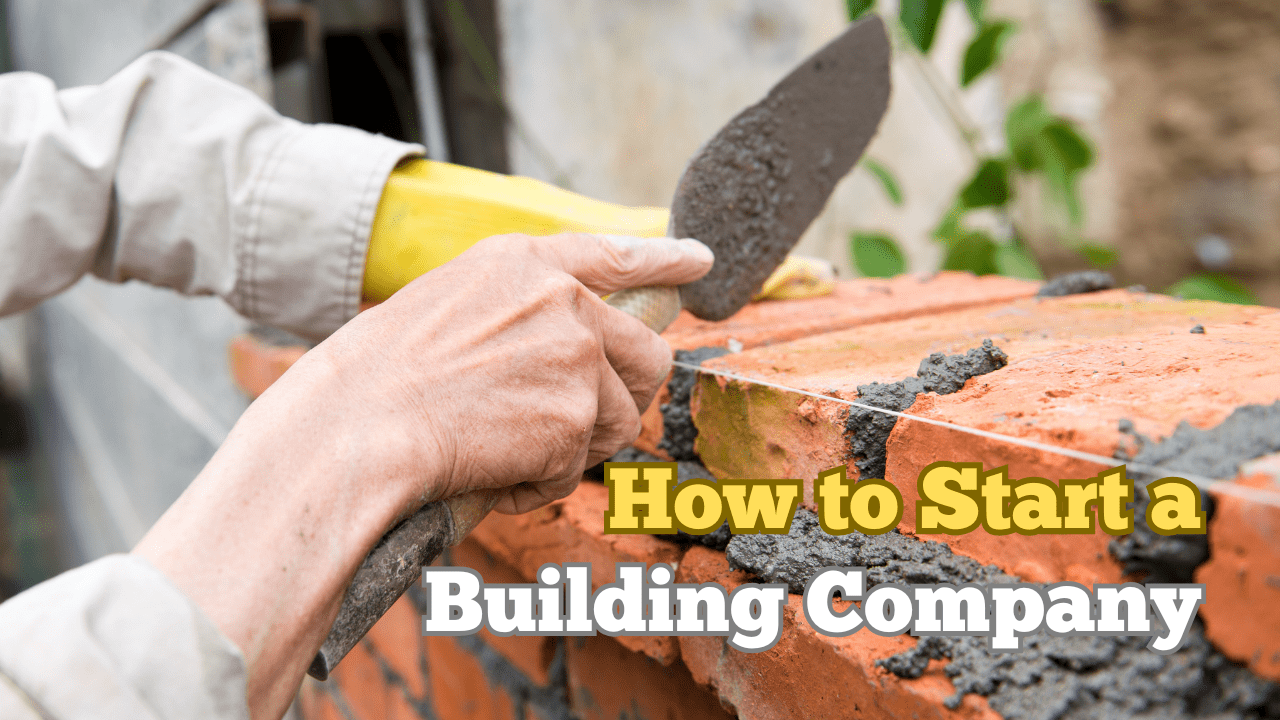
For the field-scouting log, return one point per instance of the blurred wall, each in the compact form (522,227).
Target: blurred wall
(611,99)
(1058,53)
(1196,117)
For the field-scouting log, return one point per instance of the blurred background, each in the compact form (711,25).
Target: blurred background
(1024,137)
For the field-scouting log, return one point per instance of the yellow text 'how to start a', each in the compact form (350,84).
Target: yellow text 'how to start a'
(954,498)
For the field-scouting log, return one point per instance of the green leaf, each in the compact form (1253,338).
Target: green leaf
(949,230)
(1212,286)
(1039,141)
(1023,127)
(876,254)
(984,51)
(1015,261)
(1075,150)
(1099,256)
(975,10)
(858,8)
(975,252)
(1063,154)
(920,20)
(1061,184)
(989,186)
(887,181)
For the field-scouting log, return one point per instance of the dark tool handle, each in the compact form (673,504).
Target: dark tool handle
(393,565)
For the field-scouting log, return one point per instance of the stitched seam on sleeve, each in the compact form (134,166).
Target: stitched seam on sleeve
(253,230)
(367,207)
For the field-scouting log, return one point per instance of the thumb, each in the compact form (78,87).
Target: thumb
(609,263)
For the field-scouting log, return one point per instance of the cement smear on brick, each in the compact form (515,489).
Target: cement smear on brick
(1074,678)
(1083,678)
(685,470)
(678,431)
(1076,283)
(1249,432)
(796,557)
(868,431)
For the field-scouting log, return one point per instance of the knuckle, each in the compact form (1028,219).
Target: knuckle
(581,417)
(625,262)
(631,430)
(560,288)
(582,349)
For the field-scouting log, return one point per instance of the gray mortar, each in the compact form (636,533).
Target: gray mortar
(1076,283)
(868,431)
(685,470)
(1074,678)
(678,431)
(1197,330)
(744,190)
(796,557)
(1249,432)
(1079,678)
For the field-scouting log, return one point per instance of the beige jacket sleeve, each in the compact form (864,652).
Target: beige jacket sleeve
(115,639)
(170,175)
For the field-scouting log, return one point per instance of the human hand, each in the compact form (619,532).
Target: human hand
(508,368)
(501,369)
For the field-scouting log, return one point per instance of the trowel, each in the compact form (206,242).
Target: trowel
(749,194)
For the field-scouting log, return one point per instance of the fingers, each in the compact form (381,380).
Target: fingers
(617,421)
(635,364)
(639,357)
(609,263)
(614,375)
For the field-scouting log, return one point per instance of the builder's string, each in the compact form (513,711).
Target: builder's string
(1205,484)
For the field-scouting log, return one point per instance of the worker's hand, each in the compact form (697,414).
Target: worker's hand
(505,369)
(501,369)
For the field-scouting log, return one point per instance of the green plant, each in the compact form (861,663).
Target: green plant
(1212,286)
(1041,145)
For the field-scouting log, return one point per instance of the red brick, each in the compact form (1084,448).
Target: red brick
(315,704)
(1241,612)
(609,682)
(1049,393)
(459,688)
(397,639)
(362,684)
(1056,398)
(572,530)
(854,303)
(256,364)
(808,675)
(532,654)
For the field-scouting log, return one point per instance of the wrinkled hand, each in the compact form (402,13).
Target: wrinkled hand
(506,366)
(501,369)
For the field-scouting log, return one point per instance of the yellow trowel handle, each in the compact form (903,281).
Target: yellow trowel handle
(431,211)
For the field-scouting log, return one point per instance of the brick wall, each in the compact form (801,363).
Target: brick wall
(1078,366)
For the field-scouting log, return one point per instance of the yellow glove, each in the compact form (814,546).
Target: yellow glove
(431,211)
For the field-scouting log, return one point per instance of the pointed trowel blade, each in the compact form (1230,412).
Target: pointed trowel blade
(755,187)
